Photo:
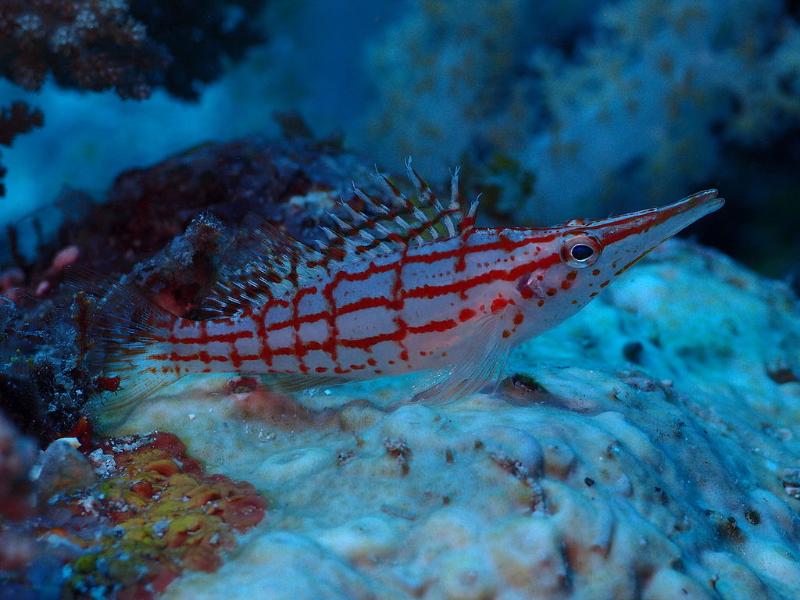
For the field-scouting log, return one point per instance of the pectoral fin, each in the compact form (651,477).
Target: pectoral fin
(481,364)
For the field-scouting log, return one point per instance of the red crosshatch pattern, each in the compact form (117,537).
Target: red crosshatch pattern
(191,342)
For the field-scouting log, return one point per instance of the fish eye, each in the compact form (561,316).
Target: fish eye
(581,251)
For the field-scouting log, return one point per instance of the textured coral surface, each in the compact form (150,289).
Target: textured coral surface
(129,47)
(646,448)
(122,518)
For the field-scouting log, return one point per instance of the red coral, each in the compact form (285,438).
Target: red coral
(152,514)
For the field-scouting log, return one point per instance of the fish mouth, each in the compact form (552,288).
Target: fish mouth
(662,223)
(704,202)
(681,214)
(658,223)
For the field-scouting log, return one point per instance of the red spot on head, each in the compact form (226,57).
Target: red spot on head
(596,272)
(506,333)
(518,318)
(572,275)
(466,314)
(605,283)
(552,291)
(565,285)
(524,288)
(371,362)
(321,369)
(540,303)
(499,304)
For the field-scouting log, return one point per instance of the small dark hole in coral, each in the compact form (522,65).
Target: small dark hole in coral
(527,383)
(783,375)
(753,517)
(632,351)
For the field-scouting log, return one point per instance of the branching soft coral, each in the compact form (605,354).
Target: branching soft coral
(129,47)
(91,45)
(443,74)
(199,35)
(662,99)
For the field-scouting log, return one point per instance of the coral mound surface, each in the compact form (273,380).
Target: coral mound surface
(646,448)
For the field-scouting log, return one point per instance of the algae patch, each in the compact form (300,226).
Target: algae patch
(151,514)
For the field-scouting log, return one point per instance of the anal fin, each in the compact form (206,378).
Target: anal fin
(290,383)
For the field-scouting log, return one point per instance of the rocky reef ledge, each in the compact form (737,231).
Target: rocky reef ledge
(649,447)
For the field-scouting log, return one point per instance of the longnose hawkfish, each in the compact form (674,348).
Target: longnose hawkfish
(400,285)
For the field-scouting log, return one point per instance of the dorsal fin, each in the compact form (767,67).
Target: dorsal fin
(368,224)
(268,262)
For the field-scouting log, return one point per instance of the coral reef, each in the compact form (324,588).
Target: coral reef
(638,452)
(658,101)
(559,109)
(124,517)
(199,37)
(130,47)
(450,78)
(643,449)
(577,477)
(446,114)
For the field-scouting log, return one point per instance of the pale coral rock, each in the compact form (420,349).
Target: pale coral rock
(584,476)
(62,469)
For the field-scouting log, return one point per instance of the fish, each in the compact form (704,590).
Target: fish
(399,285)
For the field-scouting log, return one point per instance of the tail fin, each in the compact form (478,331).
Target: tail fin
(126,341)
